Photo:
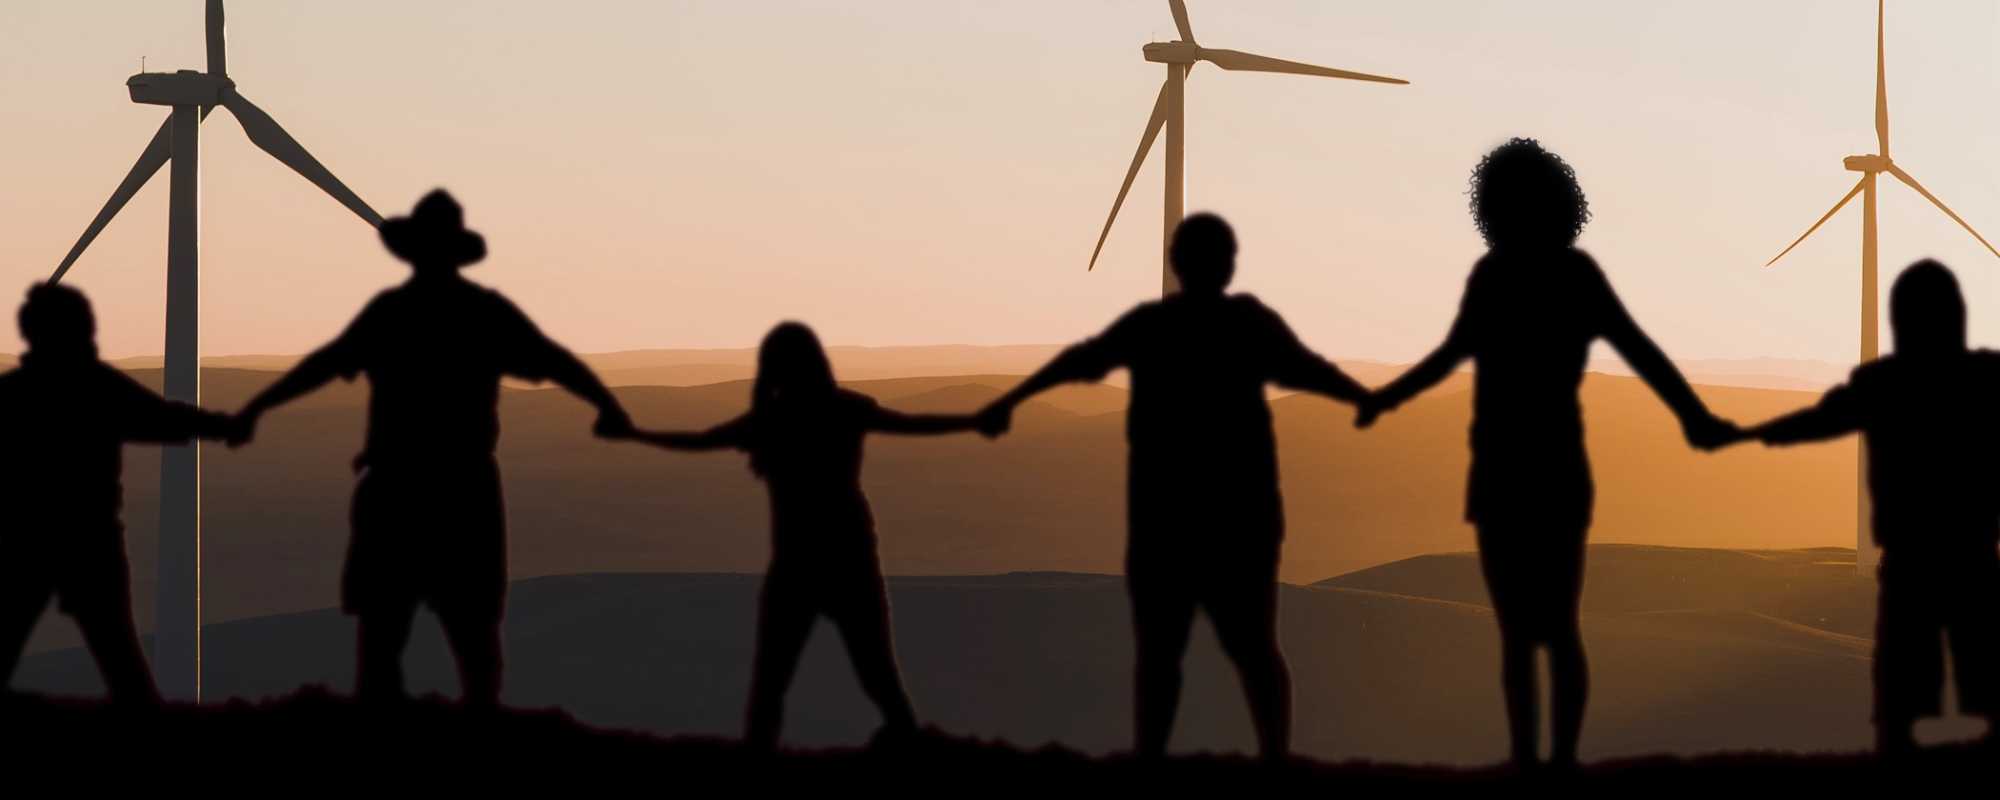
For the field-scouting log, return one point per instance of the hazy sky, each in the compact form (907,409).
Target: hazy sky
(678,173)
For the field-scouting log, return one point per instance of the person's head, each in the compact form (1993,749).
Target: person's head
(433,238)
(56,322)
(1203,254)
(1927,311)
(791,365)
(1523,195)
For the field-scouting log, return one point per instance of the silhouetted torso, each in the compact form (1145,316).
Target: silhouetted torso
(1933,430)
(67,425)
(434,350)
(1203,455)
(1528,320)
(810,457)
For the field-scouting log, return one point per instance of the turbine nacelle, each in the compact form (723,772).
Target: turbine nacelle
(184,88)
(1173,52)
(1869,163)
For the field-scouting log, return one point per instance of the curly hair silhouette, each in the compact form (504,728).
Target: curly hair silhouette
(1522,194)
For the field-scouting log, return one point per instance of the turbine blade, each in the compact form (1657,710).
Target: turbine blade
(1153,126)
(1881,86)
(1237,60)
(1822,220)
(1912,182)
(216,57)
(155,155)
(267,134)
(1181,19)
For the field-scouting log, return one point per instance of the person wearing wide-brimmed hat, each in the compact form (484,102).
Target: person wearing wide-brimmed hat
(429,527)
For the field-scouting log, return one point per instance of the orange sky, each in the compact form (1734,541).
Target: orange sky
(659,174)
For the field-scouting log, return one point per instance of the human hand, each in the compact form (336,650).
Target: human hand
(242,428)
(613,423)
(1366,410)
(1712,433)
(995,420)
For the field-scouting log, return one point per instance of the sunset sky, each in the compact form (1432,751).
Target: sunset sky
(681,174)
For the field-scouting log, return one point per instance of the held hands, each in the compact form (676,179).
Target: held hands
(613,423)
(242,429)
(995,419)
(1711,433)
(1366,409)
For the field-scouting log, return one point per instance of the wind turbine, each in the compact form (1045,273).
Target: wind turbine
(191,95)
(1871,166)
(1170,109)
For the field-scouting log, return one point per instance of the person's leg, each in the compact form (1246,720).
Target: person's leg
(1498,562)
(1569,670)
(1974,636)
(1909,662)
(1245,614)
(22,600)
(785,616)
(381,634)
(862,615)
(475,644)
(113,641)
(1162,618)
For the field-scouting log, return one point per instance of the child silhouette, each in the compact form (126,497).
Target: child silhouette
(1930,413)
(69,416)
(804,436)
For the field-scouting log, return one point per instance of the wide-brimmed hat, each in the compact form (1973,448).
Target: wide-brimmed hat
(434,234)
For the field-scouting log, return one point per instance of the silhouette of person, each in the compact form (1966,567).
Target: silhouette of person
(429,527)
(1532,307)
(1205,516)
(804,435)
(68,416)
(1930,413)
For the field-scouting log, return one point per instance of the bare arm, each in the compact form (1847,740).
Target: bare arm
(536,357)
(147,417)
(891,421)
(1296,367)
(1702,428)
(318,369)
(1088,360)
(1835,416)
(728,435)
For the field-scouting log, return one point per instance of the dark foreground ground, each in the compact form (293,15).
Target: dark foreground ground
(314,742)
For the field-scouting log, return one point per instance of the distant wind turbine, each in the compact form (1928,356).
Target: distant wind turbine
(191,94)
(1870,166)
(1170,111)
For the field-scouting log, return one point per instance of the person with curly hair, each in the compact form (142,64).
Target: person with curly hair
(1531,309)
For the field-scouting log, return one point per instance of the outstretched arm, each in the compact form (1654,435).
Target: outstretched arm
(891,421)
(1426,374)
(1089,360)
(148,417)
(534,356)
(1294,366)
(1702,428)
(318,369)
(1835,416)
(728,435)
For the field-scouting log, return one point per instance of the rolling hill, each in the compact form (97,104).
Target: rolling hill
(1693,651)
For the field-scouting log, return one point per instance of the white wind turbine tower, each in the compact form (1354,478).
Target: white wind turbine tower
(1170,111)
(191,94)
(1871,166)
